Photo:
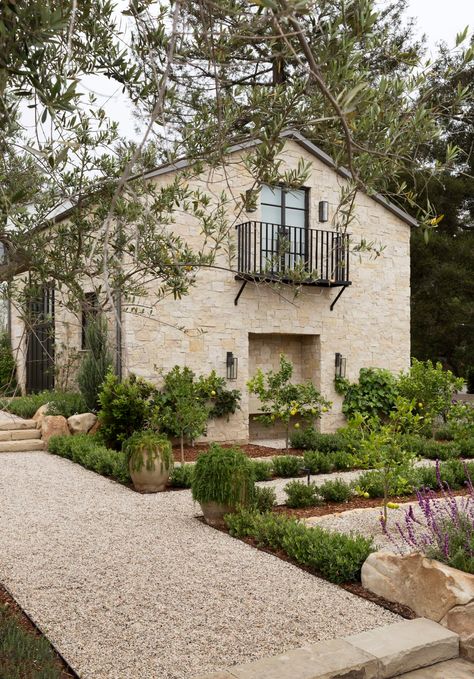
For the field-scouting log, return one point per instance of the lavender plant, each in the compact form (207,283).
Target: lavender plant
(444,527)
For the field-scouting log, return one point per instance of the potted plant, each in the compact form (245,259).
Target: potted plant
(223,481)
(150,460)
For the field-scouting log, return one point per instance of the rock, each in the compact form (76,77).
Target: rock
(95,428)
(40,414)
(460,619)
(428,587)
(54,425)
(81,424)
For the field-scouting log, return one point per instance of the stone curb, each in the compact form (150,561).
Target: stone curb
(382,653)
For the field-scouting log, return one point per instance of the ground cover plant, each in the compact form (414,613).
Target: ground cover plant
(334,556)
(61,403)
(89,452)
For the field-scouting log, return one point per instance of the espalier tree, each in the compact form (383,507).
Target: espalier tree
(201,76)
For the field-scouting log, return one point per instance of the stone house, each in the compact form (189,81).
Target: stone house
(354,313)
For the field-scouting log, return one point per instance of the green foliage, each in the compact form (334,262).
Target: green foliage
(287,466)
(433,450)
(23,653)
(373,396)
(265,499)
(262,470)
(147,448)
(319,463)
(223,401)
(334,556)
(182,476)
(281,400)
(61,403)
(223,475)
(310,439)
(183,412)
(88,452)
(96,363)
(431,388)
(125,408)
(301,494)
(460,537)
(461,421)
(335,490)
(444,434)
(8,383)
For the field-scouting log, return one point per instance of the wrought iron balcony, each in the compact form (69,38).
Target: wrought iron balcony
(292,254)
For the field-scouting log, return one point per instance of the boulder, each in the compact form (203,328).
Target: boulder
(40,414)
(54,425)
(81,424)
(428,587)
(95,428)
(460,619)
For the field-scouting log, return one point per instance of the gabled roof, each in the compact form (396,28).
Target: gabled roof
(308,146)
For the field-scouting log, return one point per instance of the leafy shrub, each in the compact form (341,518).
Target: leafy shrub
(371,482)
(301,494)
(373,396)
(287,466)
(88,452)
(8,383)
(224,475)
(310,439)
(61,403)
(265,499)
(125,407)
(319,463)
(335,490)
(262,469)
(434,450)
(343,461)
(431,388)
(182,476)
(147,448)
(96,363)
(337,557)
(466,447)
(444,434)
(224,402)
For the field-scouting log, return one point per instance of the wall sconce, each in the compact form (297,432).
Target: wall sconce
(250,200)
(340,365)
(231,364)
(323,210)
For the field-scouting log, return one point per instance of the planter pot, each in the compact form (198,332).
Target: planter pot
(150,480)
(214,512)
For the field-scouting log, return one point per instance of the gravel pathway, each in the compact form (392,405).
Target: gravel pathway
(129,586)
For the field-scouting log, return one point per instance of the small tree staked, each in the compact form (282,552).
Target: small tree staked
(281,400)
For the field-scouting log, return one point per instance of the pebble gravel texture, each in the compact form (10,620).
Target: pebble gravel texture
(128,586)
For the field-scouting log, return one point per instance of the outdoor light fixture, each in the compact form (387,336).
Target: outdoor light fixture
(250,200)
(323,210)
(231,364)
(340,365)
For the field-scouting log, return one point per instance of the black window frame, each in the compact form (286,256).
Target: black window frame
(282,205)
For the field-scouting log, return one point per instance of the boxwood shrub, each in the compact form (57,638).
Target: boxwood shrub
(287,466)
(88,452)
(301,494)
(310,439)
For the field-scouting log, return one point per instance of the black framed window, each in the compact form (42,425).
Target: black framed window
(284,206)
(284,229)
(90,309)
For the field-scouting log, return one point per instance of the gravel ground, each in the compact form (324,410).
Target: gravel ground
(128,585)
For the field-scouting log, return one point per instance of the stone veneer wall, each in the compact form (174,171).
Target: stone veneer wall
(370,325)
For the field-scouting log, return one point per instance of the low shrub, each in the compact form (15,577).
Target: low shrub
(310,439)
(61,403)
(371,482)
(337,557)
(434,450)
(444,434)
(466,447)
(335,490)
(265,499)
(88,452)
(182,476)
(224,475)
(287,466)
(343,461)
(301,494)
(263,470)
(319,463)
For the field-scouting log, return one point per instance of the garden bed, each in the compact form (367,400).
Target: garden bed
(25,653)
(191,453)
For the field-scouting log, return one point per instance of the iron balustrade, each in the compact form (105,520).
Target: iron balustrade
(287,253)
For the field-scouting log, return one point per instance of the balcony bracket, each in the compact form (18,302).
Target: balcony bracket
(337,297)
(236,300)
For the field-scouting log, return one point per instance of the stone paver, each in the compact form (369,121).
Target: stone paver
(451,669)
(129,586)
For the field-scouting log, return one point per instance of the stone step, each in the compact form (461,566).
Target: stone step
(21,446)
(20,434)
(407,646)
(7,423)
(451,669)
(381,653)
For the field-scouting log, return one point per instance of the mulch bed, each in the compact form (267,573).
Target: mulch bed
(65,672)
(355,503)
(191,453)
